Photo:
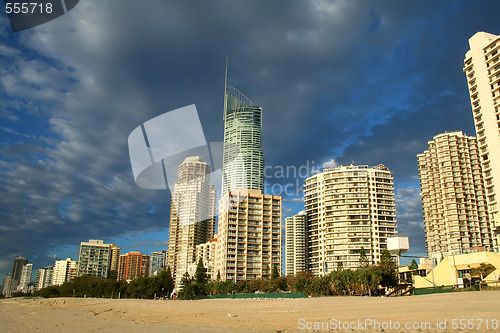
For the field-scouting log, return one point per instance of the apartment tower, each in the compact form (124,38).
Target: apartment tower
(453,196)
(94,258)
(25,282)
(348,209)
(243,158)
(17,268)
(207,253)
(157,262)
(249,235)
(295,243)
(192,215)
(132,265)
(44,277)
(64,271)
(482,68)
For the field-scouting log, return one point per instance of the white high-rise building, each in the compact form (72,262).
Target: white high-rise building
(192,215)
(348,209)
(63,270)
(43,277)
(207,252)
(482,68)
(295,243)
(249,235)
(25,281)
(453,196)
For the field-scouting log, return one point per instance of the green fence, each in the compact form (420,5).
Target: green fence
(264,295)
(434,290)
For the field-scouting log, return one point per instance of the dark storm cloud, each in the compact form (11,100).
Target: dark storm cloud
(369,82)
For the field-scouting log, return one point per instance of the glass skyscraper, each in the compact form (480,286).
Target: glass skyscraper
(243,159)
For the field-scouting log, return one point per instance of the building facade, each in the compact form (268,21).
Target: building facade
(295,243)
(25,285)
(94,258)
(348,209)
(157,262)
(207,252)
(17,269)
(44,277)
(192,215)
(243,158)
(7,285)
(482,69)
(132,265)
(249,235)
(453,196)
(114,257)
(64,271)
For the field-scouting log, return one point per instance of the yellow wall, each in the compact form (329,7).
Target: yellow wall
(446,272)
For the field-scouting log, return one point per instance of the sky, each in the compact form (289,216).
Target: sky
(340,82)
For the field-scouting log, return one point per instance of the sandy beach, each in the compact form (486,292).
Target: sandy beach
(424,313)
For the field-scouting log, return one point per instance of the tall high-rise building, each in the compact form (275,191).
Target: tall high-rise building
(62,271)
(348,209)
(115,257)
(94,258)
(7,285)
(453,196)
(295,243)
(44,277)
(17,269)
(133,265)
(249,235)
(482,68)
(157,262)
(243,158)
(25,280)
(192,215)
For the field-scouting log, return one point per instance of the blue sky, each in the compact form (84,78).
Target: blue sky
(340,82)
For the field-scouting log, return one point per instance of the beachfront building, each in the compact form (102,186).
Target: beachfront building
(157,262)
(17,269)
(44,277)
(25,285)
(249,235)
(132,265)
(94,258)
(295,243)
(458,271)
(7,285)
(115,252)
(64,271)
(453,196)
(243,158)
(482,68)
(349,209)
(192,215)
(207,253)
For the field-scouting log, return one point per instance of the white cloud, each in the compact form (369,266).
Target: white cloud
(330,164)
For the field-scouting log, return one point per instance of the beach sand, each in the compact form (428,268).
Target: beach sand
(252,315)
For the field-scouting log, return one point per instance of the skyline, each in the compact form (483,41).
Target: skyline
(339,82)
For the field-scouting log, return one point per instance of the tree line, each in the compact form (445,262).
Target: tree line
(366,280)
(157,286)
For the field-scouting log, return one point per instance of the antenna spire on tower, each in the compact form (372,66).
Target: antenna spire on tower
(225,91)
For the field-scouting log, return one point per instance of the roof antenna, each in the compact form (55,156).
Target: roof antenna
(225,92)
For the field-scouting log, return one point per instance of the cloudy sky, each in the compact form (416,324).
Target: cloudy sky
(340,82)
